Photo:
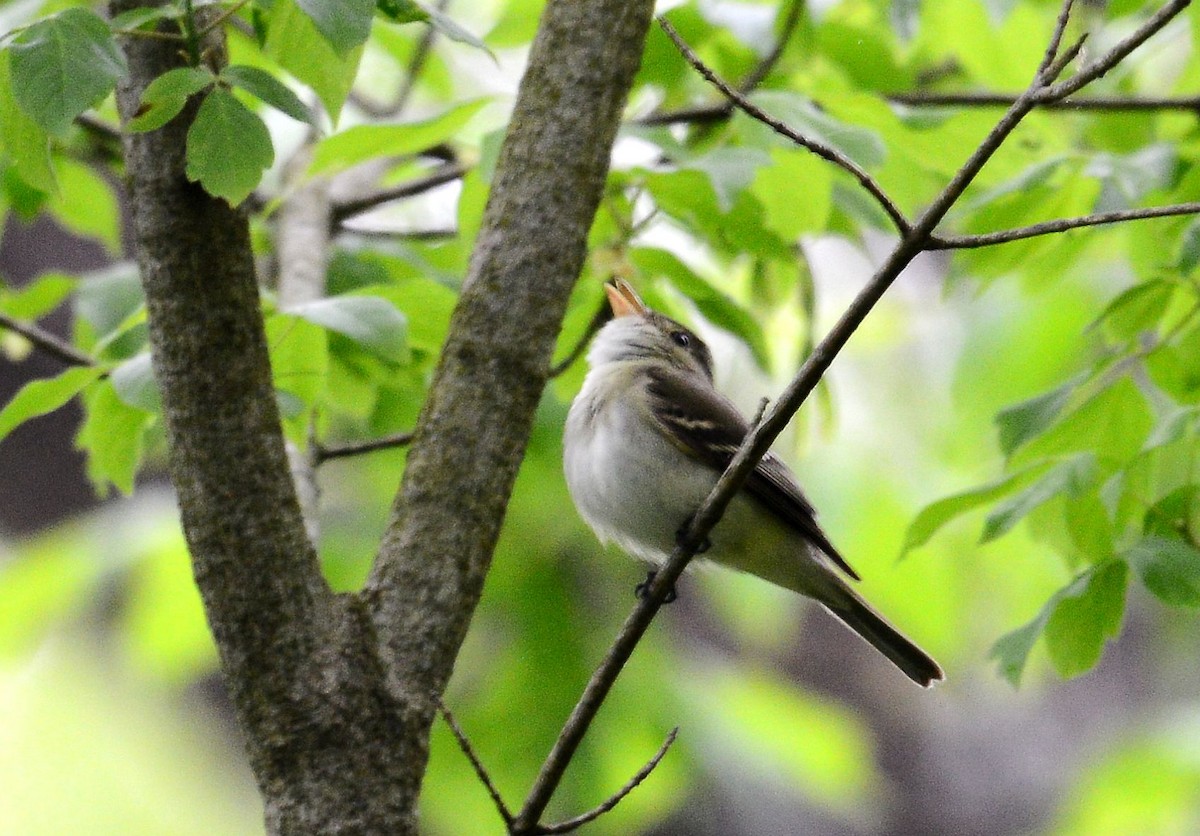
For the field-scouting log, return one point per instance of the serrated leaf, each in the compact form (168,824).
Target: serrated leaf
(164,98)
(63,65)
(228,147)
(24,141)
(365,142)
(39,397)
(1017,424)
(345,24)
(1169,568)
(268,89)
(933,517)
(111,435)
(39,297)
(372,322)
(1071,477)
(135,385)
(1087,615)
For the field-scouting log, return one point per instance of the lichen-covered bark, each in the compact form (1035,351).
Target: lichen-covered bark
(474,426)
(334,693)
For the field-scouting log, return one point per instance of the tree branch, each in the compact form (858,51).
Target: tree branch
(987,239)
(448,173)
(1088,103)
(47,342)
(763,434)
(322,454)
(333,749)
(822,150)
(476,763)
(615,799)
(474,425)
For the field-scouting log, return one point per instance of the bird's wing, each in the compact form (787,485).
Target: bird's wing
(711,429)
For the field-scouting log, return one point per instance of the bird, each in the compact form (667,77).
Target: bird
(646,439)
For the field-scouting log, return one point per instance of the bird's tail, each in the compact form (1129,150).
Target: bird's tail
(917,665)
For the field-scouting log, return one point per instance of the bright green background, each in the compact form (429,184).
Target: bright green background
(1018,422)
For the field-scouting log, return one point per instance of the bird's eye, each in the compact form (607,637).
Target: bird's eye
(681,338)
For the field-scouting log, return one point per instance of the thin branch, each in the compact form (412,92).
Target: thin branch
(819,148)
(1094,103)
(47,342)
(962,242)
(416,66)
(1060,26)
(603,314)
(723,110)
(1114,56)
(595,813)
(322,453)
(438,177)
(761,436)
(224,16)
(480,770)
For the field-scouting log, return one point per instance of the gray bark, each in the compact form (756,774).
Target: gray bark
(334,692)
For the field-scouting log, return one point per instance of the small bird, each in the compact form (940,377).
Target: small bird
(645,440)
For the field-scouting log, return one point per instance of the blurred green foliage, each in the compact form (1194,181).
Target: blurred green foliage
(1019,422)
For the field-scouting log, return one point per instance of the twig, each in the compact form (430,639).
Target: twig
(415,67)
(759,439)
(723,110)
(603,314)
(822,150)
(322,453)
(987,239)
(1060,26)
(440,176)
(480,770)
(47,342)
(224,16)
(596,812)
(1093,103)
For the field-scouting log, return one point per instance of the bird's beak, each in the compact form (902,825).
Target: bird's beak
(622,299)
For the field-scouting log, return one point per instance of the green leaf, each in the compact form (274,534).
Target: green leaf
(1127,178)
(39,297)
(164,98)
(294,41)
(228,147)
(24,142)
(1189,248)
(111,435)
(1077,620)
(135,385)
(1169,568)
(730,171)
(1175,366)
(1072,477)
(1017,424)
(265,87)
(85,204)
(1138,309)
(1087,615)
(775,186)
(345,24)
(106,300)
(1112,425)
(365,142)
(933,517)
(63,65)
(370,321)
(861,145)
(39,397)
(401,11)
(452,30)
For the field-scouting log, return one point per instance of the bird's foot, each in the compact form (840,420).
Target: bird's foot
(643,588)
(681,535)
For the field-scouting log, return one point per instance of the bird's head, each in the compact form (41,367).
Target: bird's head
(638,333)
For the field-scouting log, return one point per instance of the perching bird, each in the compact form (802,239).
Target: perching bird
(645,440)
